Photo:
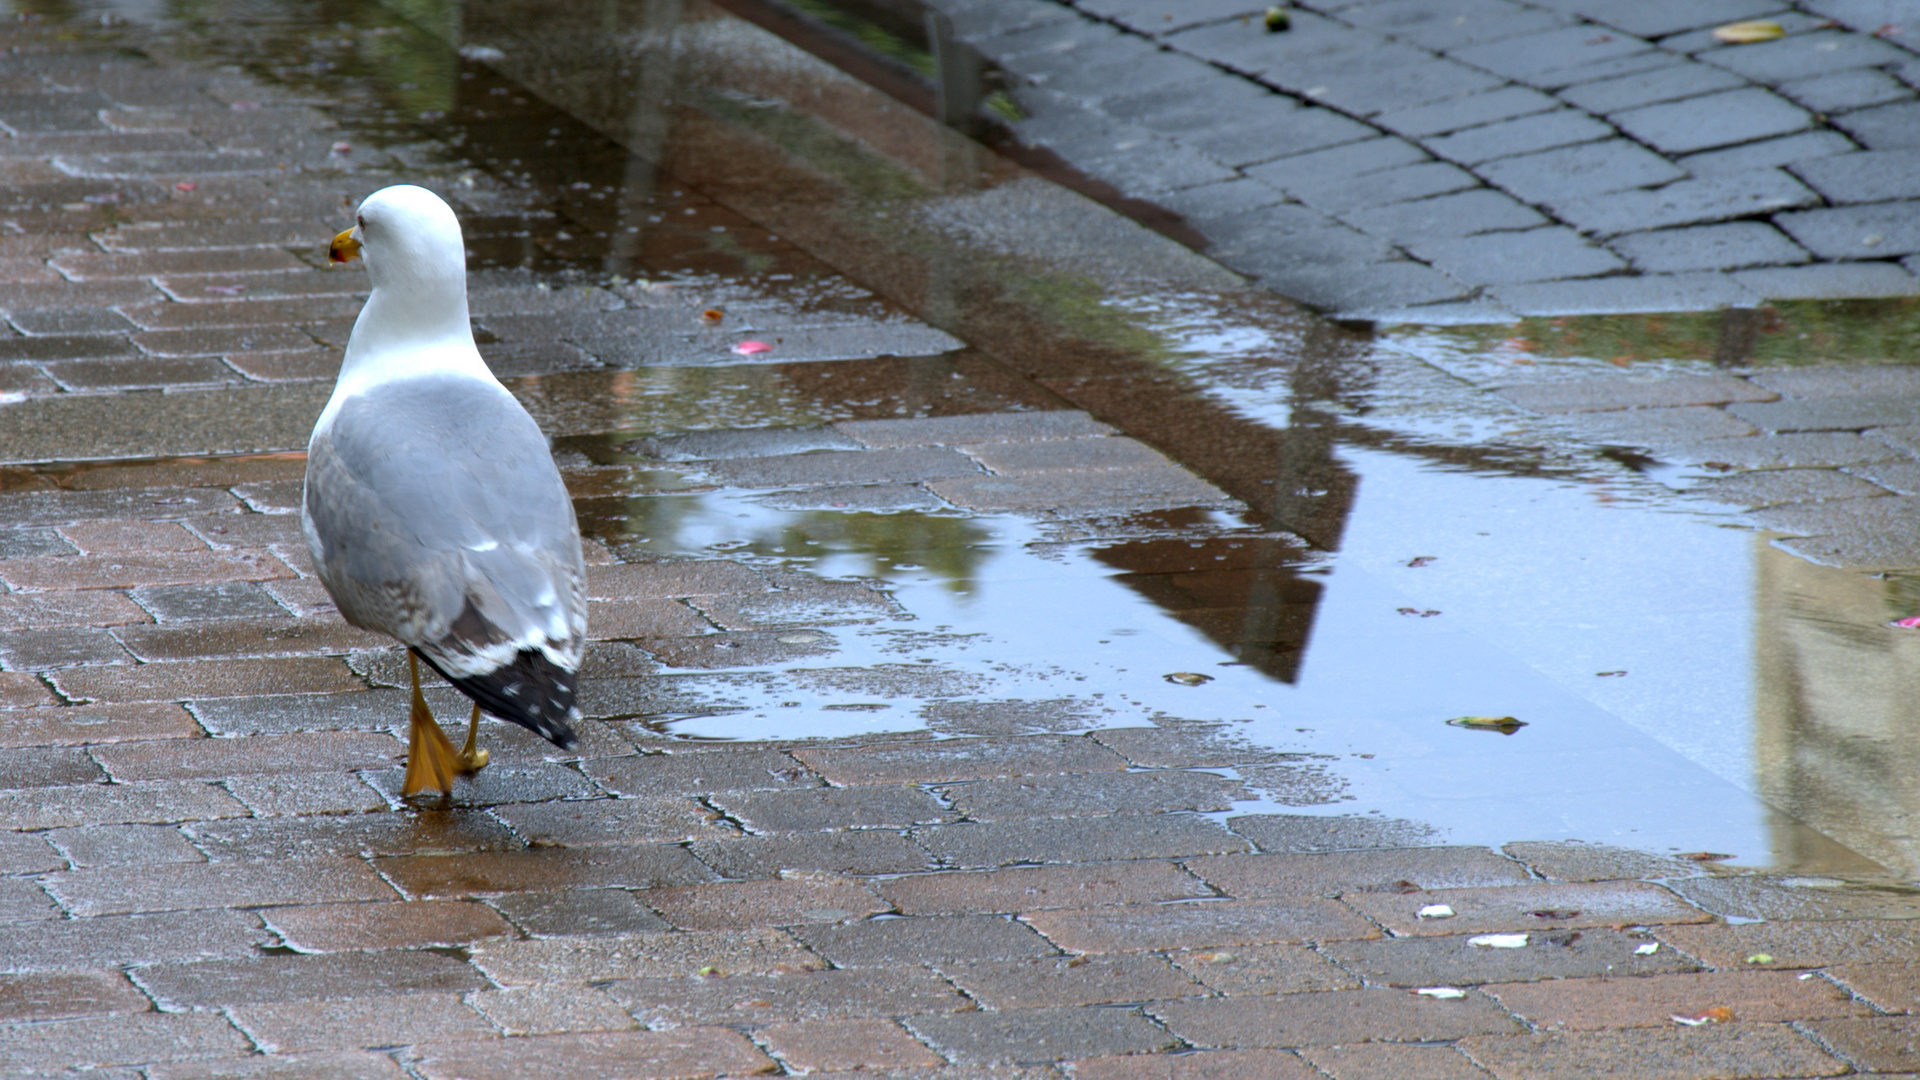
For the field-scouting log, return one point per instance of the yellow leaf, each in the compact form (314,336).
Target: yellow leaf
(1505,725)
(1745,33)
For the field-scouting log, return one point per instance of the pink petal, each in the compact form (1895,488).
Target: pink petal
(748,348)
(1911,622)
(185,185)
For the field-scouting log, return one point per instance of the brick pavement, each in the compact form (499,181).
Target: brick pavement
(205,870)
(1432,161)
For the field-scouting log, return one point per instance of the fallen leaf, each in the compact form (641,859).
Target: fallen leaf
(1690,1021)
(1760,958)
(1746,33)
(1703,856)
(1428,614)
(1444,993)
(1188,678)
(1556,914)
(1420,561)
(342,148)
(1648,949)
(1608,674)
(712,315)
(1887,31)
(1499,941)
(1720,1014)
(1434,911)
(751,348)
(1276,20)
(185,185)
(1505,725)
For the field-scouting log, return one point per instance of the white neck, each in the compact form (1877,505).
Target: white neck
(415,325)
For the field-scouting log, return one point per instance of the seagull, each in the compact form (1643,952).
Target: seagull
(433,508)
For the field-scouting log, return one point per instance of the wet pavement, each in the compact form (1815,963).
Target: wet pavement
(1022,646)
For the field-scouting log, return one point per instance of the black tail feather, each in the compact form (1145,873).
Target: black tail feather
(532,691)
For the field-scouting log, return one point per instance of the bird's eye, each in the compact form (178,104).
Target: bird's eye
(360,221)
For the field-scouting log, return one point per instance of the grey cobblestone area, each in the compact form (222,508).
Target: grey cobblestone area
(1433,161)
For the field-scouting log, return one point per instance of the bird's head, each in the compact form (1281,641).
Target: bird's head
(404,234)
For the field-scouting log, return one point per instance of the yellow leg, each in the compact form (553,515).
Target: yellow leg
(431,762)
(473,759)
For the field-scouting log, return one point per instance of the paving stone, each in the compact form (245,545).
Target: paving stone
(1889,987)
(791,901)
(1461,213)
(1847,90)
(117,804)
(23,853)
(1714,197)
(1864,177)
(1263,969)
(1777,487)
(858,851)
(47,650)
(546,1010)
(1713,120)
(1255,876)
(924,939)
(972,429)
(24,689)
(1438,118)
(57,995)
(116,941)
(1527,907)
(206,759)
(1302,833)
(123,845)
(688,1052)
(1568,173)
(1769,153)
(1709,247)
(1138,489)
(1371,80)
(336,1065)
(1036,888)
(1094,795)
(1416,181)
(213,983)
(1887,127)
(375,710)
(1621,295)
(205,679)
(792,996)
(1596,395)
(1447,26)
(1095,980)
(1510,257)
(819,809)
(1710,1051)
(1547,51)
(1038,1035)
(579,822)
(1758,897)
(1809,449)
(1315,168)
(699,773)
(1340,1016)
(1551,955)
(1686,80)
(1598,1004)
(826,1045)
(675,954)
(960,759)
(1525,135)
(185,886)
(1411,1062)
(131,570)
(481,873)
(843,467)
(1137,836)
(95,537)
(281,636)
(1830,281)
(1810,944)
(1899,477)
(1829,414)
(136,1038)
(668,579)
(1800,56)
(1873,231)
(317,928)
(1198,925)
(579,913)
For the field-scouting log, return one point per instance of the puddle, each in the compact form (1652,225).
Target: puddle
(1684,685)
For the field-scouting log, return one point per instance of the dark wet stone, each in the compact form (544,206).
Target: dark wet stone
(1553,954)
(346,836)
(1009,717)
(117,940)
(361,710)
(29,543)
(752,649)
(47,766)
(1802,897)
(224,600)
(739,443)
(864,498)
(1599,862)
(308,978)
(502,782)
(1067,840)
(45,650)
(859,851)
(925,939)
(699,773)
(1094,795)
(1047,1034)
(1292,832)
(124,845)
(830,809)
(578,913)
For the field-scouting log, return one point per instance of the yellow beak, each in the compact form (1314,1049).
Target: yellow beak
(344,248)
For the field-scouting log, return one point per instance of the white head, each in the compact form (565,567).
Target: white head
(408,238)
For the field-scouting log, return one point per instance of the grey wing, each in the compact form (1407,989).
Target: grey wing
(435,514)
